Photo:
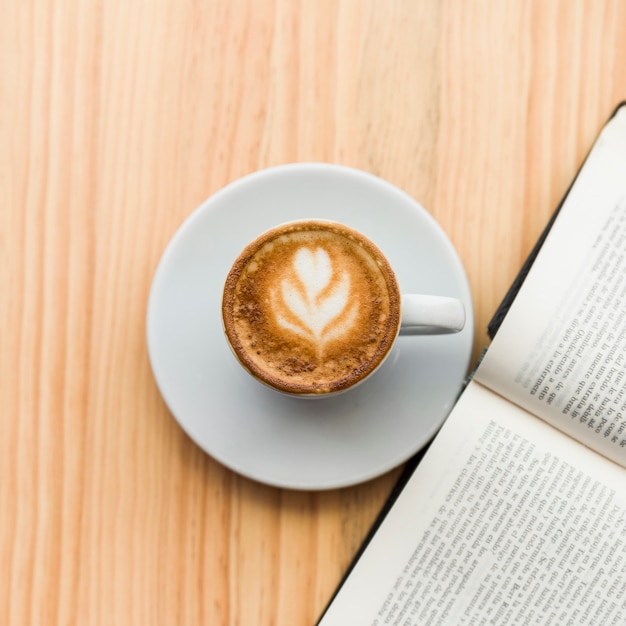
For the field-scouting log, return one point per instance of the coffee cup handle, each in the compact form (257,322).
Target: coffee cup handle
(431,315)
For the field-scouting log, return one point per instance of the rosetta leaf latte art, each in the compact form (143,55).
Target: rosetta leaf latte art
(309,307)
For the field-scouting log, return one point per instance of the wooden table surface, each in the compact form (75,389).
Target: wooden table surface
(116,120)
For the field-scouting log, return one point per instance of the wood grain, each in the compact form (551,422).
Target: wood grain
(116,121)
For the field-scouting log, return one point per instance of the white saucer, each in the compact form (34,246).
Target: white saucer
(279,440)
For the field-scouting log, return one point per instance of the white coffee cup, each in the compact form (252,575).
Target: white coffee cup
(312,308)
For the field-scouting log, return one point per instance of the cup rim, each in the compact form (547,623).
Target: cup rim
(339,385)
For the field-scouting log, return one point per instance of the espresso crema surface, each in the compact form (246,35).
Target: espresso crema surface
(311,307)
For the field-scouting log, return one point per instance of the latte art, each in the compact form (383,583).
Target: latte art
(311,307)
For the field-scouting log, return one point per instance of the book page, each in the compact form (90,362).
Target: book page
(505,521)
(561,350)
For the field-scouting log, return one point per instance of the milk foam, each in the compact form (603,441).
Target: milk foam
(308,304)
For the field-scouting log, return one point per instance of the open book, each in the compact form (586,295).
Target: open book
(517,512)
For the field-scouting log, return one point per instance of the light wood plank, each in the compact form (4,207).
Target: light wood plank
(116,121)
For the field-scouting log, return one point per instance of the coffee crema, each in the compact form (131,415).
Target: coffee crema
(311,307)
